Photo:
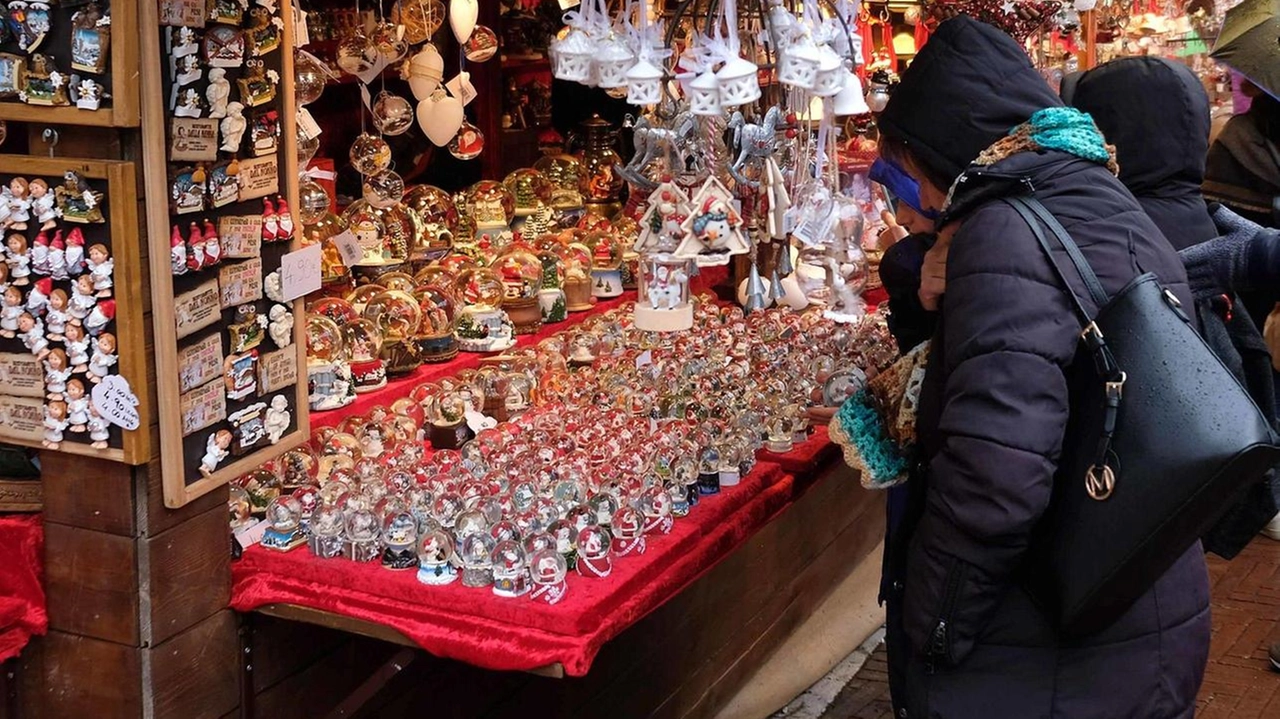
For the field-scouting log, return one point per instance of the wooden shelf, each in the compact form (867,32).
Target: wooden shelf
(63,115)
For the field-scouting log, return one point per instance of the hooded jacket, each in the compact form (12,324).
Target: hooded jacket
(993,414)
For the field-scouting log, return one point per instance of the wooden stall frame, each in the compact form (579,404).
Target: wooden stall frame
(176,491)
(124,110)
(122,194)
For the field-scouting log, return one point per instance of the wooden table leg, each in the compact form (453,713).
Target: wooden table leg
(374,685)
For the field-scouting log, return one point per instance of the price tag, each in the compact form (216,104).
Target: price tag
(300,272)
(252,534)
(477,421)
(116,402)
(301,37)
(461,88)
(569,4)
(307,125)
(366,98)
(349,248)
(373,72)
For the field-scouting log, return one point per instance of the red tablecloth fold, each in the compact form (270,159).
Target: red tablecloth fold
(22,603)
(805,457)
(474,626)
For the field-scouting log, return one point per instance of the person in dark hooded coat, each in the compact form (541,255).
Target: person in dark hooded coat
(993,408)
(1156,113)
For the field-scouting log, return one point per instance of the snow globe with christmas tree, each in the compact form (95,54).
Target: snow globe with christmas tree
(483,326)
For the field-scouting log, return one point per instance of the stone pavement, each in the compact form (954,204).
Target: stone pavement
(1238,683)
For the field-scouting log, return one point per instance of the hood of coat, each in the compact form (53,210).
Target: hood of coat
(968,86)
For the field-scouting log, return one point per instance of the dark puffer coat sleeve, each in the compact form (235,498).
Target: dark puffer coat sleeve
(1009,334)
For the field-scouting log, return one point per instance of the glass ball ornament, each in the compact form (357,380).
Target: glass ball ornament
(420,18)
(309,77)
(482,45)
(468,143)
(434,208)
(389,39)
(357,54)
(383,189)
(392,115)
(313,201)
(370,154)
(307,149)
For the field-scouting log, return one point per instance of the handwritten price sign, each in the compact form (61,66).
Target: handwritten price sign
(116,402)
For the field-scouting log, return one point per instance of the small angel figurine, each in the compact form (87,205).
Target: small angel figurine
(18,259)
(42,204)
(218,93)
(84,298)
(77,406)
(101,267)
(56,317)
(77,344)
(104,356)
(55,423)
(215,450)
(75,252)
(233,127)
(31,332)
(19,203)
(281,327)
(56,374)
(277,420)
(99,431)
(10,311)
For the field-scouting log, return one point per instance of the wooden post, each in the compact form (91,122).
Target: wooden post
(1089,22)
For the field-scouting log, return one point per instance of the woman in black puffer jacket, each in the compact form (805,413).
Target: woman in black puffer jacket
(993,408)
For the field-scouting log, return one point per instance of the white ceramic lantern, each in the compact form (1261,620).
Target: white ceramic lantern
(612,61)
(575,56)
(849,101)
(644,83)
(704,95)
(424,72)
(798,65)
(831,73)
(739,83)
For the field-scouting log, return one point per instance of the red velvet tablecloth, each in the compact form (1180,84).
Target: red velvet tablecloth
(22,605)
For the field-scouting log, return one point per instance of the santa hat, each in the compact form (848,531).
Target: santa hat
(58,244)
(175,239)
(44,286)
(76,237)
(42,239)
(102,313)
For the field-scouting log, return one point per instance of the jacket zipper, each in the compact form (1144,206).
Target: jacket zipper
(939,637)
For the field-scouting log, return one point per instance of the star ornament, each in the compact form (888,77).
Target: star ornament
(1008,7)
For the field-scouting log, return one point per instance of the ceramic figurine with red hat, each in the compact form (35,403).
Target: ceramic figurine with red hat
(104,356)
(38,297)
(18,258)
(177,252)
(195,248)
(284,219)
(31,332)
(75,251)
(83,298)
(58,258)
(103,313)
(40,254)
(101,268)
(212,244)
(57,315)
(10,311)
(270,223)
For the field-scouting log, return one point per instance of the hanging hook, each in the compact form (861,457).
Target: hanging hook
(50,137)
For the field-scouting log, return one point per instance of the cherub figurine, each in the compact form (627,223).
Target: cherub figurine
(31,332)
(104,356)
(19,204)
(277,419)
(55,423)
(233,127)
(77,343)
(101,267)
(99,430)
(42,204)
(18,259)
(77,406)
(215,450)
(10,311)
(57,315)
(281,327)
(218,93)
(84,299)
(56,374)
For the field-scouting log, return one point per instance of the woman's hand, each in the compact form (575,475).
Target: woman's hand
(892,232)
(933,274)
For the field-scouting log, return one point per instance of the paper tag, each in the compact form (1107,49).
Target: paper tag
(461,88)
(300,272)
(366,98)
(645,358)
(349,248)
(373,72)
(569,4)
(116,402)
(308,128)
(252,534)
(477,421)
(301,37)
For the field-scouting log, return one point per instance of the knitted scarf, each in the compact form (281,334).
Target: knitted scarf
(1064,129)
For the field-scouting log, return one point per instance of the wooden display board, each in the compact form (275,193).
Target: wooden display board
(23,387)
(120,76)
(216,390)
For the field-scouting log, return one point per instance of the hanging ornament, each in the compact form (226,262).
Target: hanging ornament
(389,39)
(309,77)
(313,201)
(420,18)
(307,148)
(424,71)
(737,79)
(483,44)
(370,154)
(612,60)
(392,114)
(469,142)
(383,189)
(357,54)
(462,18)
(849,101)
(440,116)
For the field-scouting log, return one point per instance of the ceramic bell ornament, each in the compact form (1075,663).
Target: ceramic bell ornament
(849,101)
(644,83)
(612,60)
(424,71)
(798,63)
(831,73)
(737,79)
(575,57)
(704,95)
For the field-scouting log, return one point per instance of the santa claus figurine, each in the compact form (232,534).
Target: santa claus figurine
(40,254)
(284,219)
(58,257)
(38,297)
(75,251)
(195,249)
(177,252)
(212,244)
(270,223)
(102,313)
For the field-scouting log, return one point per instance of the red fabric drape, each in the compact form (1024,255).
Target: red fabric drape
(922,34)
(886,37)
(22,601)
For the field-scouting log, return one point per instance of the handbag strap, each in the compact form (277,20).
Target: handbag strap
(1099,478)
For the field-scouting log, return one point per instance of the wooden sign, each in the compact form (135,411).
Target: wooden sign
(193,139)
(259,177)
(21,375)
(203,407)
(277,370)
(200,362)
(241,236)
(182,13)
(240,282)
(197,309)
(22,419)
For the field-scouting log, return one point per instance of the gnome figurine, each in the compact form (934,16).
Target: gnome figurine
(75,251)
(177,252)
(38,297)
(58,258)
(40,254)
(102,313)
(212,244)
(284,220)
(195,249)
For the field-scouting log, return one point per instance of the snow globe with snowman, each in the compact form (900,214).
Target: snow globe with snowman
(483,326)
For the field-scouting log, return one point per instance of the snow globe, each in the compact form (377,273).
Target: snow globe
(627,529)
(577,277)
(594,557)
(359,297)
(384,234)
(663,304)
(437,221)
(482,324)
(549,570)
(335,308)
(551,297)
(363,536)
(399,541)
(364,340)
(329,381)
(531,190)
(521,273)
(284,519)
(477,560)
(326,532)
(510,572)
(240,508)
(606,266)
(655,505)
(778,434)
(709,470)
(435,558)
(436,342)
(446,420)
(492,207)
(333,271)
(564,173)
(398,318)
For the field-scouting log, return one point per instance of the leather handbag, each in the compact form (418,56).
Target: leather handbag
(1160,440)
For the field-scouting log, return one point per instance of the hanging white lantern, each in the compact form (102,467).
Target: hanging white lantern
(849,101)
(739,82)
(830,77)
(575,56)
(424,72)
(798,64)
(644,83)
(612,61)
(704,95)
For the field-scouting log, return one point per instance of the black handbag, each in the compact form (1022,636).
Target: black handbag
(1160,440)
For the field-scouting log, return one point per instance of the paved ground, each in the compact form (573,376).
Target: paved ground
(1238,683)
